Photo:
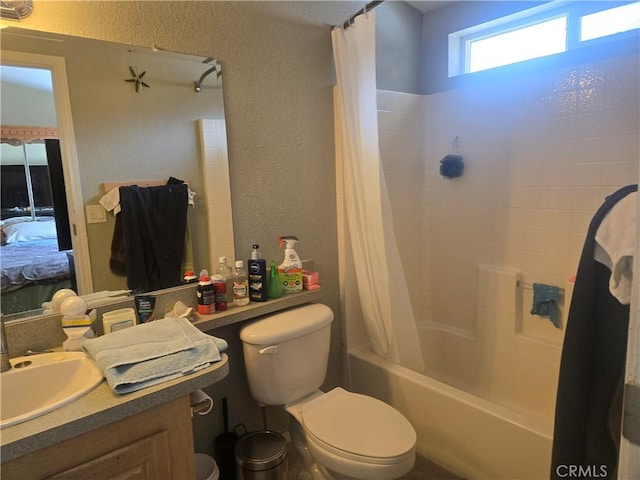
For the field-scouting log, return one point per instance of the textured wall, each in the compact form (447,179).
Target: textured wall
(398,47)
(278,74)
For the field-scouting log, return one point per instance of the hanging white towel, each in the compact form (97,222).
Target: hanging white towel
(111,201)
(615,244)
(192,196)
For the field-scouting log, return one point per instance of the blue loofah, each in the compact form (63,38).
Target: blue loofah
(451,166)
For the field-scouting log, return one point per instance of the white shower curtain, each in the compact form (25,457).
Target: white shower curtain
(382,286)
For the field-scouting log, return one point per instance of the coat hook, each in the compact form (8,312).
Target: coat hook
(456,142)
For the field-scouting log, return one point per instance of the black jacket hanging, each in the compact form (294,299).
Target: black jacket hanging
(154,221)
(589,400)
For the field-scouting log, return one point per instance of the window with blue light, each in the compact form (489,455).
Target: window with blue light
(609,22)
(533,41)
(550,29)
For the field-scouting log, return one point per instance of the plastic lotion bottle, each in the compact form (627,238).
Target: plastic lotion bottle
(227,272)
(257,276)
(290,270)
(240,283)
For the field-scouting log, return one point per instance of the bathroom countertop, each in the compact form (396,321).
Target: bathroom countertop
(100,407)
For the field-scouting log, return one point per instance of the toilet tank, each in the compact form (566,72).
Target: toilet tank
(286,354)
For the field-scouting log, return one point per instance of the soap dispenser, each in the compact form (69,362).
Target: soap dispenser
(257,268)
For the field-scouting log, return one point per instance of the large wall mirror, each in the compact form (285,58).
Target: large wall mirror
(126,115)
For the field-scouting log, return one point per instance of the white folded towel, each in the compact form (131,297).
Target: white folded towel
(152,353)
(111,201)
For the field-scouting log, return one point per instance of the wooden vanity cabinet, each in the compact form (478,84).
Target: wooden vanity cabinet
(154,444)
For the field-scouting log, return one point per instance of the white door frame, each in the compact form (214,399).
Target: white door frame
(70,167)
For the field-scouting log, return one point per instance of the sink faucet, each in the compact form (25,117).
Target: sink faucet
(4,351)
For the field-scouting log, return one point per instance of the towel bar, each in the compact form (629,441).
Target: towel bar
(529,286)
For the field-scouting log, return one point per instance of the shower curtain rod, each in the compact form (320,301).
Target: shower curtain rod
(368,7)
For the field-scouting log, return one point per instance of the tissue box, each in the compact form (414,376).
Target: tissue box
(309,279)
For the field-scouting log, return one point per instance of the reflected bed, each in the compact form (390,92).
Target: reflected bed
(32,267)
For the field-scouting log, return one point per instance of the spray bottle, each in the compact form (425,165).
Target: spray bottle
(290,270)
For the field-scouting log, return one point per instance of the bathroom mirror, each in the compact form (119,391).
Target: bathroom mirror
(138,114)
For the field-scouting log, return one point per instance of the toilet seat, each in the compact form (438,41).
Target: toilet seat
(359,428)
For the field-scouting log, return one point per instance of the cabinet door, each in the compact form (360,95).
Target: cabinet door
(154,444)
(145,459)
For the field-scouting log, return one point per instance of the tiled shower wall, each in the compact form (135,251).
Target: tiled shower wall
(540,154)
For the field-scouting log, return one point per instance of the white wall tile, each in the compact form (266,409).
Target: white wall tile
(540,156)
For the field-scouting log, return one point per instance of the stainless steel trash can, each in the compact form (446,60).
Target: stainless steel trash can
(261,455)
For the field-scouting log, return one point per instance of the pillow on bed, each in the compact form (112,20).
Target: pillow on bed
(12,220)
(29,231)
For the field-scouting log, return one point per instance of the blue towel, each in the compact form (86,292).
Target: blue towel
(544,302)
(152,353)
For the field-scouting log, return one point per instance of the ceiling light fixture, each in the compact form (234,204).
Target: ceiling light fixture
(16,10)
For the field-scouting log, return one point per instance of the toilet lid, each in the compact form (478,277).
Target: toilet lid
(358,425)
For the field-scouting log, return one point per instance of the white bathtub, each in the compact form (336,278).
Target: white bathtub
(466,434)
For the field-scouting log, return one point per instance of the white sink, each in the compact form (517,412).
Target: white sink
(38,384)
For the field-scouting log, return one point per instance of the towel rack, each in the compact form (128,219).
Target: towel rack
(529,286)
(108,186)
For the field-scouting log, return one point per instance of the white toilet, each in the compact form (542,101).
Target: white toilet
(352,436)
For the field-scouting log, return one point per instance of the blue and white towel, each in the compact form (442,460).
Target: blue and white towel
(544,302)
(616,243)
(152,353)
